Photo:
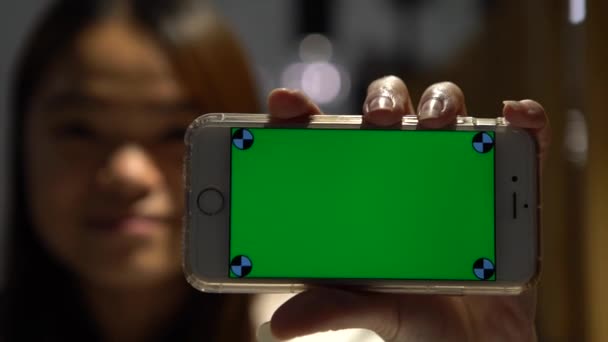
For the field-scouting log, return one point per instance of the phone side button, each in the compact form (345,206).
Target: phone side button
(210,201)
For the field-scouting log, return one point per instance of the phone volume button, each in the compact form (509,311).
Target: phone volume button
(485,122)
(465,120)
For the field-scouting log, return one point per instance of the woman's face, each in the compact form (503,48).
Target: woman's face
(104,147)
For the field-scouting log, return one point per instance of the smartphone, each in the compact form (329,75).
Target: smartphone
(280,207)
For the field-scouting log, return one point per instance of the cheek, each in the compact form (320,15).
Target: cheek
(170,160)
(57,188)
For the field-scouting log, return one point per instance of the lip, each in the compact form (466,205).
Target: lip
(128,224)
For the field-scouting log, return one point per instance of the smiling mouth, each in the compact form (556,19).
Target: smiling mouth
(129,224)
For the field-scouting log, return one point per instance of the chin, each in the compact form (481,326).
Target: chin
(137,271)
(116,261)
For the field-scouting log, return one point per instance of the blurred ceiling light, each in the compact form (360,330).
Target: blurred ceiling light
(321,81)
(576,139)
(291,77)
(577,11)
(315,48)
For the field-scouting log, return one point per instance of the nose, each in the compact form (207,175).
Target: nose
(130,172)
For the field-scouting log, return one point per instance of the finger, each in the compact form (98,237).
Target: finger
(289,104)
(326,309)
(387,100)
(530,115)
(394,318)
(440,104)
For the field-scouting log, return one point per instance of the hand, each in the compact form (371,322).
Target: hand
(404,317)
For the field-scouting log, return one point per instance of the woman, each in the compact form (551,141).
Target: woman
(102,97)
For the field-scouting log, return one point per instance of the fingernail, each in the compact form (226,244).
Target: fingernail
(432,108)
(380,102)
(513,105)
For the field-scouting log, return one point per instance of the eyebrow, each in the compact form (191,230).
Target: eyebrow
(79,99)
(73,98)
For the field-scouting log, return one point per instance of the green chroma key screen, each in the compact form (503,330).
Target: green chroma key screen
(362,204)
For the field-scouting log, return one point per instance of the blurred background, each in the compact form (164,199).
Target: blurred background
(554,51)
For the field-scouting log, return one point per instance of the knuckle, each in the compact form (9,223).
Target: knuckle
(393,79)
(447,87)
(390,82)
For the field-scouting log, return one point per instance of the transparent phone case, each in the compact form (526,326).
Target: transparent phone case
(226,284)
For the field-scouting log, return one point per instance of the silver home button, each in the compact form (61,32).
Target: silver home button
(210,201)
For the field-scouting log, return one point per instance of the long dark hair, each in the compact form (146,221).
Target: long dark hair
(39,299)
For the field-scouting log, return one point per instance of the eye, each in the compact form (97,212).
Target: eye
(74,131)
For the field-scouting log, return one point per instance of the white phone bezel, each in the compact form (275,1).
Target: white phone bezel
(206,237)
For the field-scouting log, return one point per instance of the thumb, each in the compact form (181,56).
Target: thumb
(394,317)
(319,310)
